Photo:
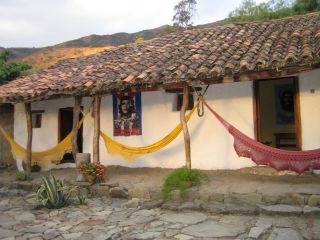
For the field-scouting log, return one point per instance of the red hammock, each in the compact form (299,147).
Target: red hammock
(298,161)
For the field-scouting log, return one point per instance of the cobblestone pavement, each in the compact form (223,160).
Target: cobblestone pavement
(107,218)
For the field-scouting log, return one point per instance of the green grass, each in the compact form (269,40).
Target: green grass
(24,176)
(179,180)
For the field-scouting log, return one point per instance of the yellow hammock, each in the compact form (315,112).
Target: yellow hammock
(131,153)
(44,158)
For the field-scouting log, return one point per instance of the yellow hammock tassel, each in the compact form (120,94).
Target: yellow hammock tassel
(44,158)
(131,153)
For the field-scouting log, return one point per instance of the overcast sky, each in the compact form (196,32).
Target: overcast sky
(40,23)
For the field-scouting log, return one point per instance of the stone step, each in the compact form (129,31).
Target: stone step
(245,209)
(234,202)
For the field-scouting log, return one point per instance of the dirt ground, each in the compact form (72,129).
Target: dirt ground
(129,177)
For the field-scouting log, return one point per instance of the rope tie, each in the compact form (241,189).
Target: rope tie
(200,108)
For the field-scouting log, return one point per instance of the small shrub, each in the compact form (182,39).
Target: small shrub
(24,176)
(81,199)
(52,193)
(180,179)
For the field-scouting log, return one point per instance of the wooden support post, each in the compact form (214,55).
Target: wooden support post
(29,130)
(96,130)
(75,127)
(185,103)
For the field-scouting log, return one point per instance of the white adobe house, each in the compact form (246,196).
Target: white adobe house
(248,67)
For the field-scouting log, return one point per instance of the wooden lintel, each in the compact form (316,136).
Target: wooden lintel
(180,90)
(186,135)
(272,74)
(29,139)
(75,126)
(96,128)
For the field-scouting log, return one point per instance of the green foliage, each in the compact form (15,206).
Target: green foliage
(24,176)
(52,193)
(81,199)
(179,179)
(185,10)
(139,40)
(10,70)
(305,6)
(47,59)
(249,10)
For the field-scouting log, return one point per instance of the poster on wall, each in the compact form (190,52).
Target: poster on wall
(127,114)
(284,99)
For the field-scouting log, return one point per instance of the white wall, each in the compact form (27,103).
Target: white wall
(46,136)
(211,144)
(310,109)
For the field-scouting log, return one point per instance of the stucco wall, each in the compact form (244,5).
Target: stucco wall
(310,109)
(211,145)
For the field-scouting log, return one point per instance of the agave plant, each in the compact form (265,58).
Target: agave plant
(52,193)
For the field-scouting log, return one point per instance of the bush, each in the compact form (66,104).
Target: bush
(180,179)
(52,193)
(95,170)
(24,176)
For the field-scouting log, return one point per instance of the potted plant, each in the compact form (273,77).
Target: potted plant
(93,172)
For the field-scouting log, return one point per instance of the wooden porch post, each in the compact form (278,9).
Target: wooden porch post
(186,135)
(96,130)
(75,127)
(29,130)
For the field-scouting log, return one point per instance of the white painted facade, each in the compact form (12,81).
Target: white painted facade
(211,144)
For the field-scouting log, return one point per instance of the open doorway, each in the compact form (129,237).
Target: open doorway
(278,113)
(65,127)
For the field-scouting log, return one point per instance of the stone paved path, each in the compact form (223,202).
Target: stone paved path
(106,218)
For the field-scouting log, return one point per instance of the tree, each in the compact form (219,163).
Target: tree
(304,6)
(249,10)
(185,10)
(10,70)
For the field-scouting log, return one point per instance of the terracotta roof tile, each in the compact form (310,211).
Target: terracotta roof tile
(209,55)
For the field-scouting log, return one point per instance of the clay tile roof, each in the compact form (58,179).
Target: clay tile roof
(195,56)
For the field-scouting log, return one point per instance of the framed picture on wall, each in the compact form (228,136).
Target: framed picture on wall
(127,114)
(284,100)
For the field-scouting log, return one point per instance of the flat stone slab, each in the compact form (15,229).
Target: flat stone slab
(6,221)
(4,233)
(256,232)
(284,234)
(147,235)
(25,216)
(213,229)
(311,210)
(282,209)
(185,218)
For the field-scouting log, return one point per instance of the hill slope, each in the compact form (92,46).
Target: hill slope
(49,56)
(114,39)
